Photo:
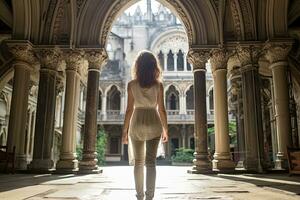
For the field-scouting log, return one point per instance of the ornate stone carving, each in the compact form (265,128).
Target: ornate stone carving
(49,58)
(74,59)
(236,20)
(22,52)
(96,58)
(198,58)
(276,52)
(248,54)
(233,63)
(218,59)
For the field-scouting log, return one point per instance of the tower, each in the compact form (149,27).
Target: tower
(149,11)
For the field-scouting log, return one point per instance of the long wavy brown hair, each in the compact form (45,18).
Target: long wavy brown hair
(146,69)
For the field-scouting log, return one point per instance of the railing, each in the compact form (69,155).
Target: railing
(173,115)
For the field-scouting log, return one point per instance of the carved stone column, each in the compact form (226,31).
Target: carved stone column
(248,57)
(88,164)
(198,58)
(222,157)
(45,116)
(67,162)
(23,60)
(234,65)
(104,114)
(277,56)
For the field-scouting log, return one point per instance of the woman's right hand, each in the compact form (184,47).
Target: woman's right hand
(165,137)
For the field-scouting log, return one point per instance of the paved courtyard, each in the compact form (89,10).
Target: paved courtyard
(116,183)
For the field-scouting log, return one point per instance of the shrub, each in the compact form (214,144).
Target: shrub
(183,155)
(101,146)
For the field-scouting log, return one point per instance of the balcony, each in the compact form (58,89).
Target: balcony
(174,116)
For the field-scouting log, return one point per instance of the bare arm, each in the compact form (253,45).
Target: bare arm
(162,112)
(128,114)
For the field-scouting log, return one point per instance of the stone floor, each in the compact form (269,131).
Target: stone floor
(116,183)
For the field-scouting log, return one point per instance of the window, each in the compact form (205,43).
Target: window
(180,60)
(190,99)
(113,99)
(172,98)
(170,61)
(161,59)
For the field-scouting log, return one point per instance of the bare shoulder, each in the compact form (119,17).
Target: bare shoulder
(160,84)
(131,82)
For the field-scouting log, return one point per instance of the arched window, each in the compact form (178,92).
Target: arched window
(180,60)
(190,99)
(172,98)
(100,100)
(211,99)
(170,61)
(161,59)
(113,99)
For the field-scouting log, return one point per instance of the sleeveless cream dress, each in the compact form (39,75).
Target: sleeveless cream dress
(145,123)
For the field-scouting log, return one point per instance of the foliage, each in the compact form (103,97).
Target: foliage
(101,145)
(183,155)
(79,152)
(232,132)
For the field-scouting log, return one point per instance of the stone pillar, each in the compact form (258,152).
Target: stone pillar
(222,157)
(248,57)
(198,58)
(22,64)
(104,114)
(45,118)
(88,164)
(236,84)
(184,62)
(277,56)
(122,106)
(165,62)
(67,162)
(175,62)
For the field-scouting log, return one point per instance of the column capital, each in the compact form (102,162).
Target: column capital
(218,59)
(198,58)
(22,51)
(74,60)
(96,58)
(248,55)
(277,52)
(50,58)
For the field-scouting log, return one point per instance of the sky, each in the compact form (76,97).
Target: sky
(143,6)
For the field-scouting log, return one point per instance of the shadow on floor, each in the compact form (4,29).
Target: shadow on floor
(282,182)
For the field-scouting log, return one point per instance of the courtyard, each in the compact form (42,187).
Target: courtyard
(173,182)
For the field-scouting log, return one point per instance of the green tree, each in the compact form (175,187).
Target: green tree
(101,145)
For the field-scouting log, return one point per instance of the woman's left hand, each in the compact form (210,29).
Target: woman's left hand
(125,138)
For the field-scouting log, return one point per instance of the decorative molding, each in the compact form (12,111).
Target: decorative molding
(198,58)
(276,52)
(50,58)
(218,59)
(96,58)
(248,55)
(236,20)
(74,60)
(22,51)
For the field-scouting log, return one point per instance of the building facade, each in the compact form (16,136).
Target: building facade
(52,54)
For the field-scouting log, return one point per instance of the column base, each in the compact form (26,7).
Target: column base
(89,167)
(281,164)
(223,165)
(41,165)
(21,162)
(66,166)
(201,166)
(240,165)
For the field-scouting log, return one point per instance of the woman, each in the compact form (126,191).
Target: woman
(145,121)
